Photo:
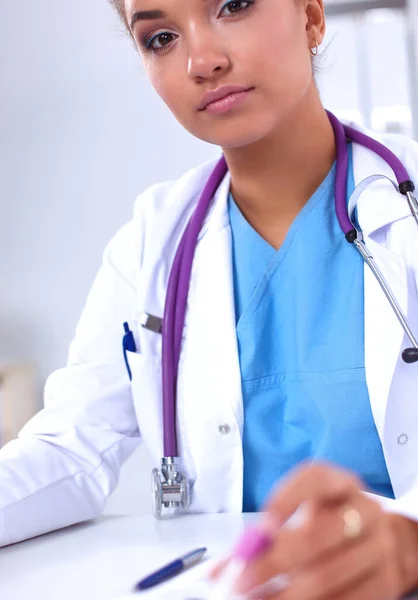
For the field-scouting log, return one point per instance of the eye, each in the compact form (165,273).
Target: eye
(163,39)
(235,6)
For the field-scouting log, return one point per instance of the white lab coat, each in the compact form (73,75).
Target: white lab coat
(67,459)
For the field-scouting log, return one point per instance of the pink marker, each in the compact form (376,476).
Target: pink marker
(252,543)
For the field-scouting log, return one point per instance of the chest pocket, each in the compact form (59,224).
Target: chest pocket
(146,386)
(312,406)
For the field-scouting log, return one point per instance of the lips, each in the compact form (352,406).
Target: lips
(219,94)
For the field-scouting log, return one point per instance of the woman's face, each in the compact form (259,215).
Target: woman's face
(201,45)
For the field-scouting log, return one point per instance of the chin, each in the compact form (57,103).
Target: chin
(237,135)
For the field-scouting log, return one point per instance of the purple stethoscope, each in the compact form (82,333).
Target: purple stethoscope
(171,487)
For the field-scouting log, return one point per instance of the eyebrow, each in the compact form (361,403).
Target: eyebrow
(147,15)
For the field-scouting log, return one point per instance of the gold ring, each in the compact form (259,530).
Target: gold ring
(353,523)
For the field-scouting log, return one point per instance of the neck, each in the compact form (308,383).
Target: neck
(272,179)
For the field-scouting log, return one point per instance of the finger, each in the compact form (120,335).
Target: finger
(318,538)
(316,483)
(217,570)
(370,587)
(321,534)
(376,586)
(340,572)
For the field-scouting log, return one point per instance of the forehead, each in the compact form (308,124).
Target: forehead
(148,10)
(131,6)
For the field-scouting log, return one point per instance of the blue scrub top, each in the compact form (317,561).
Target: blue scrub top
(300,332)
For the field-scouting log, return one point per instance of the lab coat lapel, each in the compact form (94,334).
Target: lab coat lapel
(379,207)
(210,398)
(383,332)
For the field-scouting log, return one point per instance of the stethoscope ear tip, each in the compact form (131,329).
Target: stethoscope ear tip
(410,355)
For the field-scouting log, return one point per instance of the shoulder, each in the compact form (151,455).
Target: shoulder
(159,211)
(178,194)
(405,148)
(400,236)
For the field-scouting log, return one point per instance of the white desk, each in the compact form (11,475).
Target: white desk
(102,560)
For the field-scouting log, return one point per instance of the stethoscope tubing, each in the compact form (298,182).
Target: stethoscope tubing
(175,307)
(342,132)
(364,251)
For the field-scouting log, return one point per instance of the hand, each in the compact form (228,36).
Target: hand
(325,559)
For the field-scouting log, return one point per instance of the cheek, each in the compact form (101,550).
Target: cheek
(284,63)
(283,44)
(156,80)
(167,85)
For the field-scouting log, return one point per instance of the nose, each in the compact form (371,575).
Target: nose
(206,58)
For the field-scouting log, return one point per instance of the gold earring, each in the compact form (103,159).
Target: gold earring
(316,49)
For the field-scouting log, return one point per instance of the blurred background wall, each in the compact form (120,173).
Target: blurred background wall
(82,133)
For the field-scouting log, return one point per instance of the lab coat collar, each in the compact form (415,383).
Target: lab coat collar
(380,204)
(217,216)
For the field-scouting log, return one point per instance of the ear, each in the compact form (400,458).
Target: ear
(315,21)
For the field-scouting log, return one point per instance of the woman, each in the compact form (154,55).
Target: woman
(274,328)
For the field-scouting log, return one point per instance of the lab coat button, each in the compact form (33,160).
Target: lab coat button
(403,439)
(224,429)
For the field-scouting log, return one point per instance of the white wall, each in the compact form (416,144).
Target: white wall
(364,67)
(81,134)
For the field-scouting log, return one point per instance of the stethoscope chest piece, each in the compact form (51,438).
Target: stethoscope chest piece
(170,488)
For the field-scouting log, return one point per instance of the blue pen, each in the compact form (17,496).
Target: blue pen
(171,570)
(128,343)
